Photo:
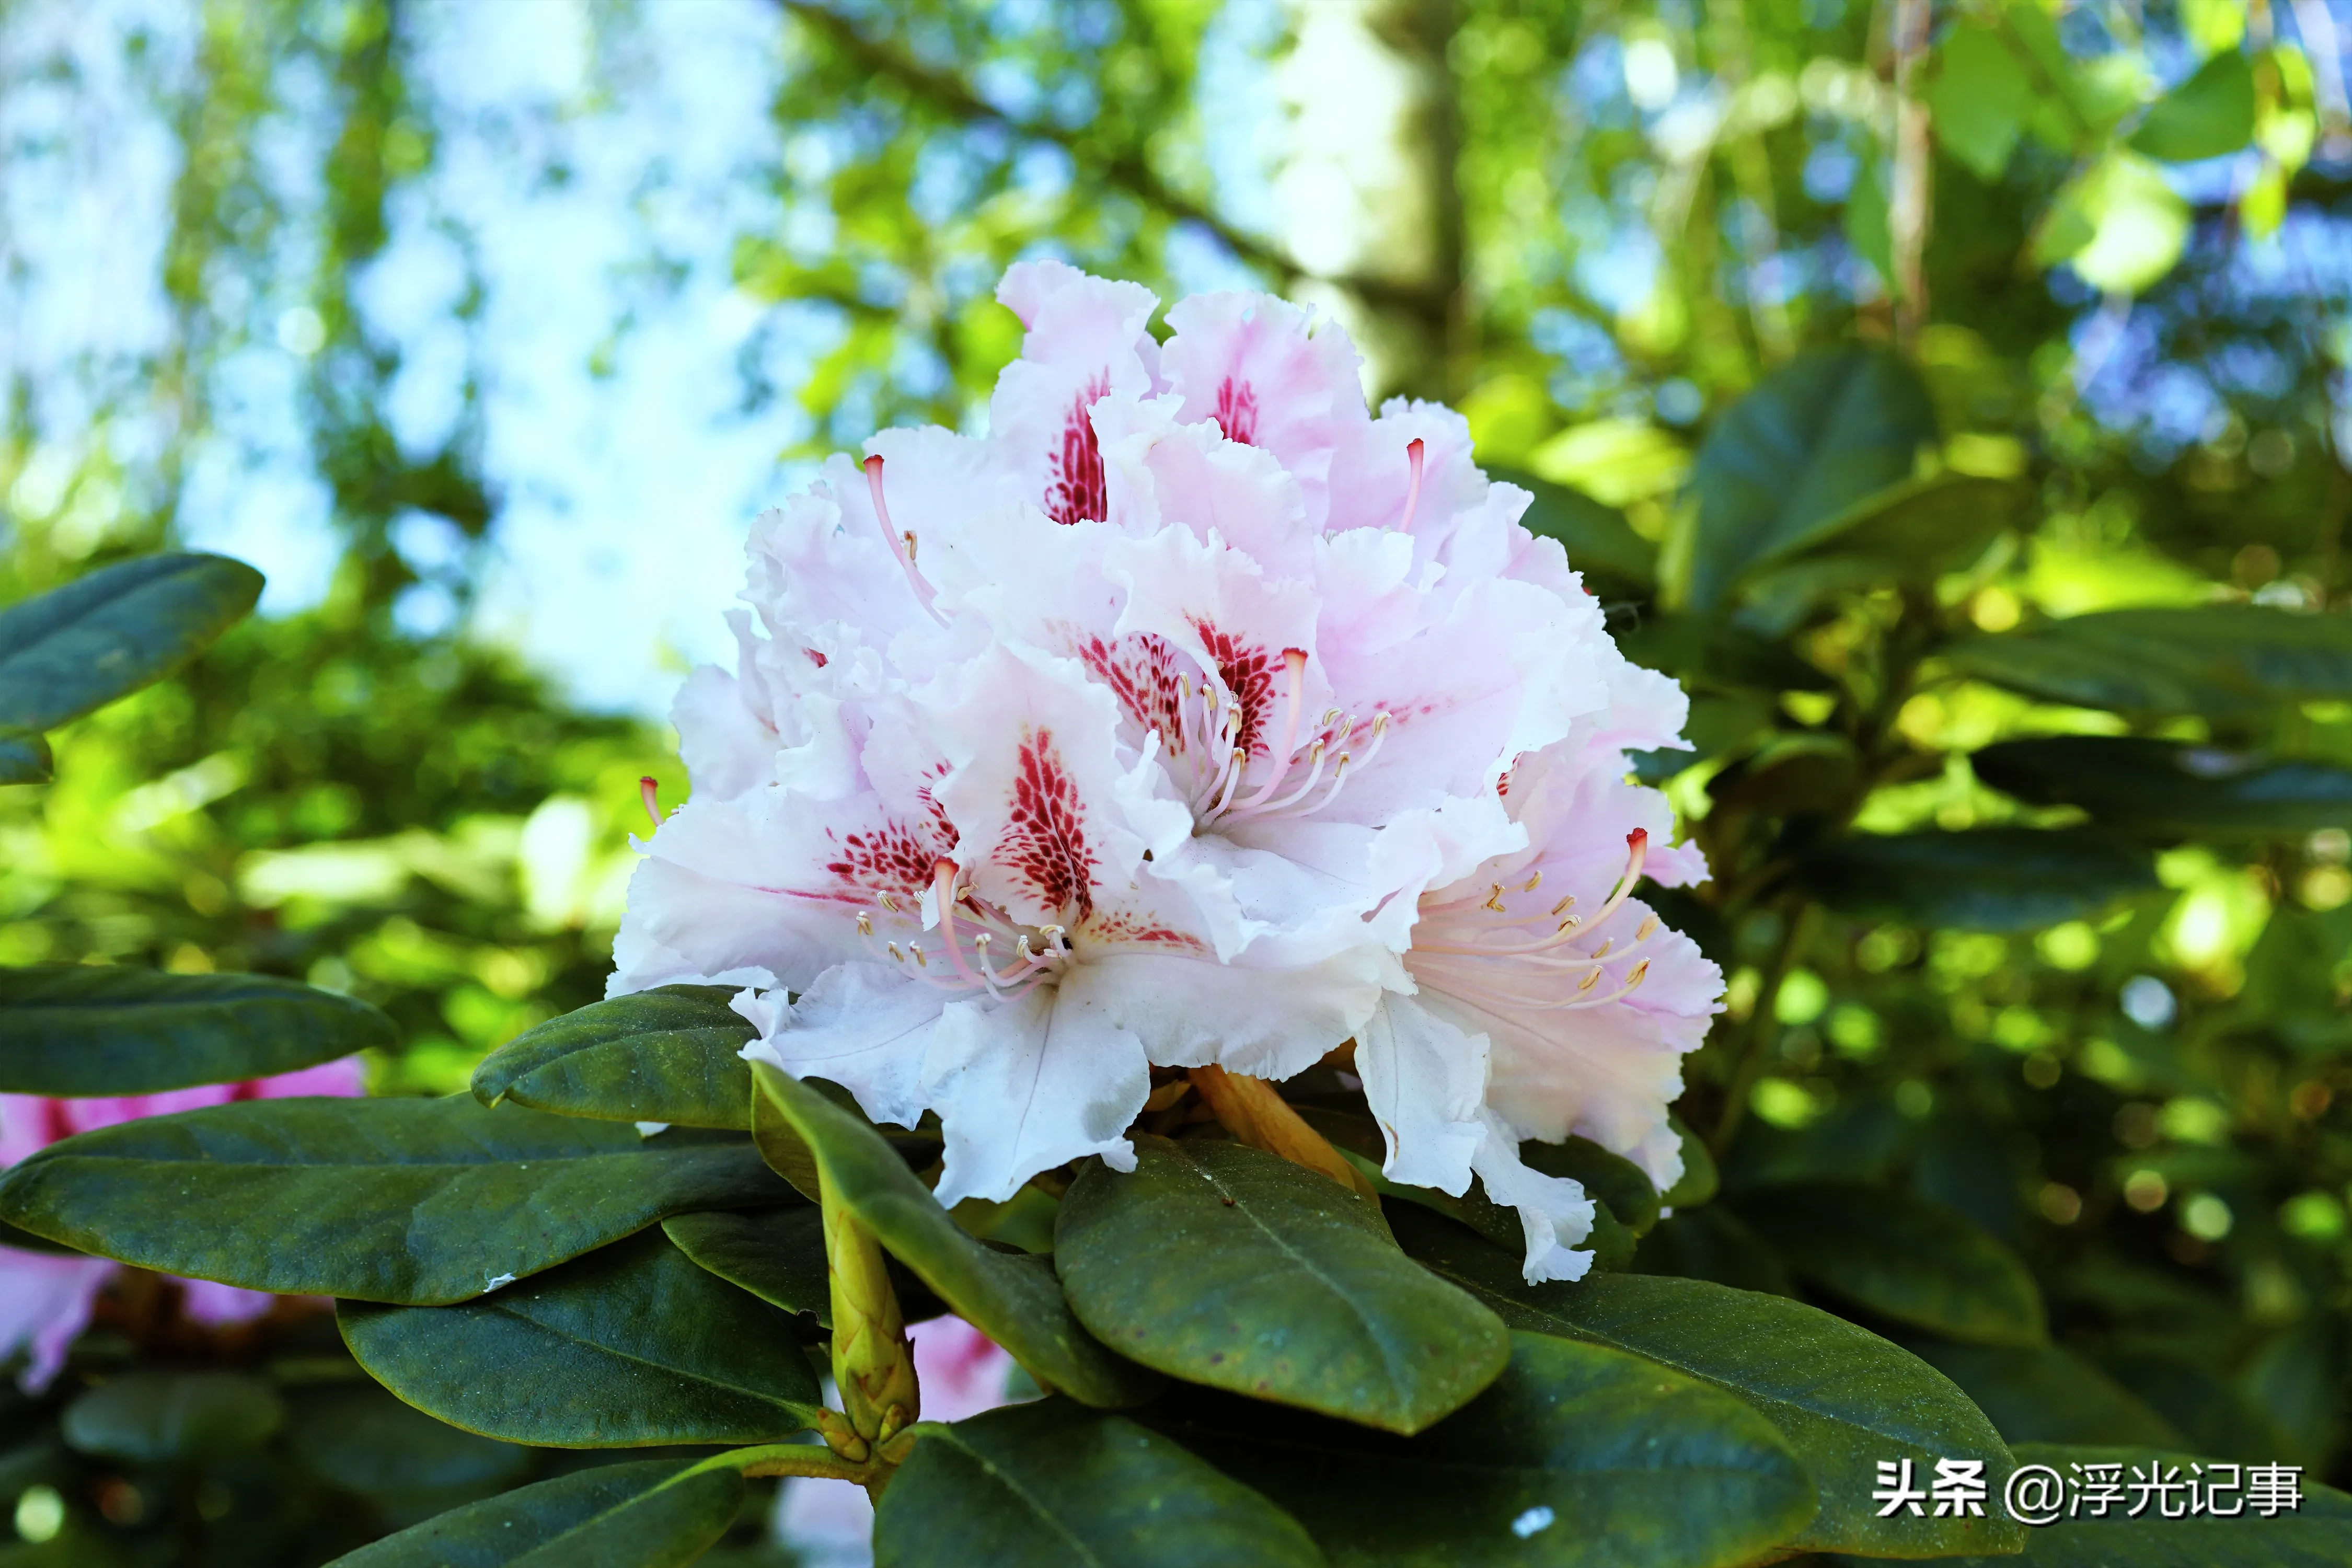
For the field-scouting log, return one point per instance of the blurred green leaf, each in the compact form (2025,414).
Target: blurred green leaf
(2317,1535)
(1577,1455)
(2210,115)
(1985,878)
(1058,1483)
(1901,1257)
(377,1200)
(1014,1301)
(86,1029)
(2170,789)
(654,1513)
(777,1253)
(2218,659)
(627,1347)
(1843,1398)
(1979,98)
(1790,464)
(25,757)
(1699,1179)
(671,1053)
(2046,1394)
(362,1439)
(153,1416)
(104,635)
(1711,1243)
(1228,1266)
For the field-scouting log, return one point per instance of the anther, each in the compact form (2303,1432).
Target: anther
(1533,883)
(645,792)
(1565,905)
(909,535)
(1495,898)
(1648,928)
(1589,981)
(1640,970)
(920,962)
(1602,951)
(896,956)
(888,903)
(865,923)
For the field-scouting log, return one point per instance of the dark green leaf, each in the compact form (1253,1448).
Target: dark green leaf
(667,1055)
(1986,879)
(2047,1394)
(1231,1267)
(158,1416)
(1809,771)
(1791,462)
(25,757)
(1055,1483)
(415,1201)
(2318,1535)
(101,636)
(1842,1398)
(656,1514)
(1576,1457)
(776,1254)
(1014,1301)
(1611,1178)
(2166,788)
(1902,1256)
(1599,543)
(99,1030)
(361,1439)
(2211,115)
(2216,660)
(627,1347)
(1922,527)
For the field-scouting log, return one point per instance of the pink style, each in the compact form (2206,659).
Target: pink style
(46,1298)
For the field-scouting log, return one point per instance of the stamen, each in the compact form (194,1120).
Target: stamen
(943,894)
(888,903)
(1293,696)
(1589,981)
(1495,899)
(645,792)
(1533,882)
(1412,456)
(902,545)
(1565,905)
(865,923)
(1648,928)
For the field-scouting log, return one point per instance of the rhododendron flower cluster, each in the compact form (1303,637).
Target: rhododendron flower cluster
(1192,716)
(46,1298)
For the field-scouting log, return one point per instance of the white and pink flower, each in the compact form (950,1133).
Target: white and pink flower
(46,1298)
(1170,724)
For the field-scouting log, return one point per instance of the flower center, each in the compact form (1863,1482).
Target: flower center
(1473,965)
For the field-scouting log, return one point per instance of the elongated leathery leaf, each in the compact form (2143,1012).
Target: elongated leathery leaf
(1987,879)
(2047,1394)
(101,636)
(1903,1257)
(1231,1267)
(86,1029)
(415,1201)
(1792,462)
(1576,1457)
(665,1054)
(777,1253)
(1057,1483)
(1014,1301)
(654,1513)
(148,1416)
(1843,1398)
(2168,789)
(357,1436)
(630,1346)
(2218,659)
(2317,1534)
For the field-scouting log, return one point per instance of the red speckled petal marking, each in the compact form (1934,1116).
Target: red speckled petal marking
(1237,413)
(1248,674)
(1045,842)
(1075,491)
(891,859)
(1140,670)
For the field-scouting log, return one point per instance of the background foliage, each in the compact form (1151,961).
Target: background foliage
(2111,241)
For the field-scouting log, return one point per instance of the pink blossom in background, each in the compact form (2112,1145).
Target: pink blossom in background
(961,1372)
(45,1298)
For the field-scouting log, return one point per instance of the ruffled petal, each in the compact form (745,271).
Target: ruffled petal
(1025,1085)
(866,1027)
(1425,1080)
(1269,375)
(1188,1011)
(1554,1213)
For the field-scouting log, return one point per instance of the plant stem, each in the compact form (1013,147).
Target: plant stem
(1256,1115)
(1797,925)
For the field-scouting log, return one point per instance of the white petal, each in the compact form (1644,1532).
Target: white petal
(1554,1213)
(865,1027)
(1425,1080)
(1192,1012)
(1026,1085)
